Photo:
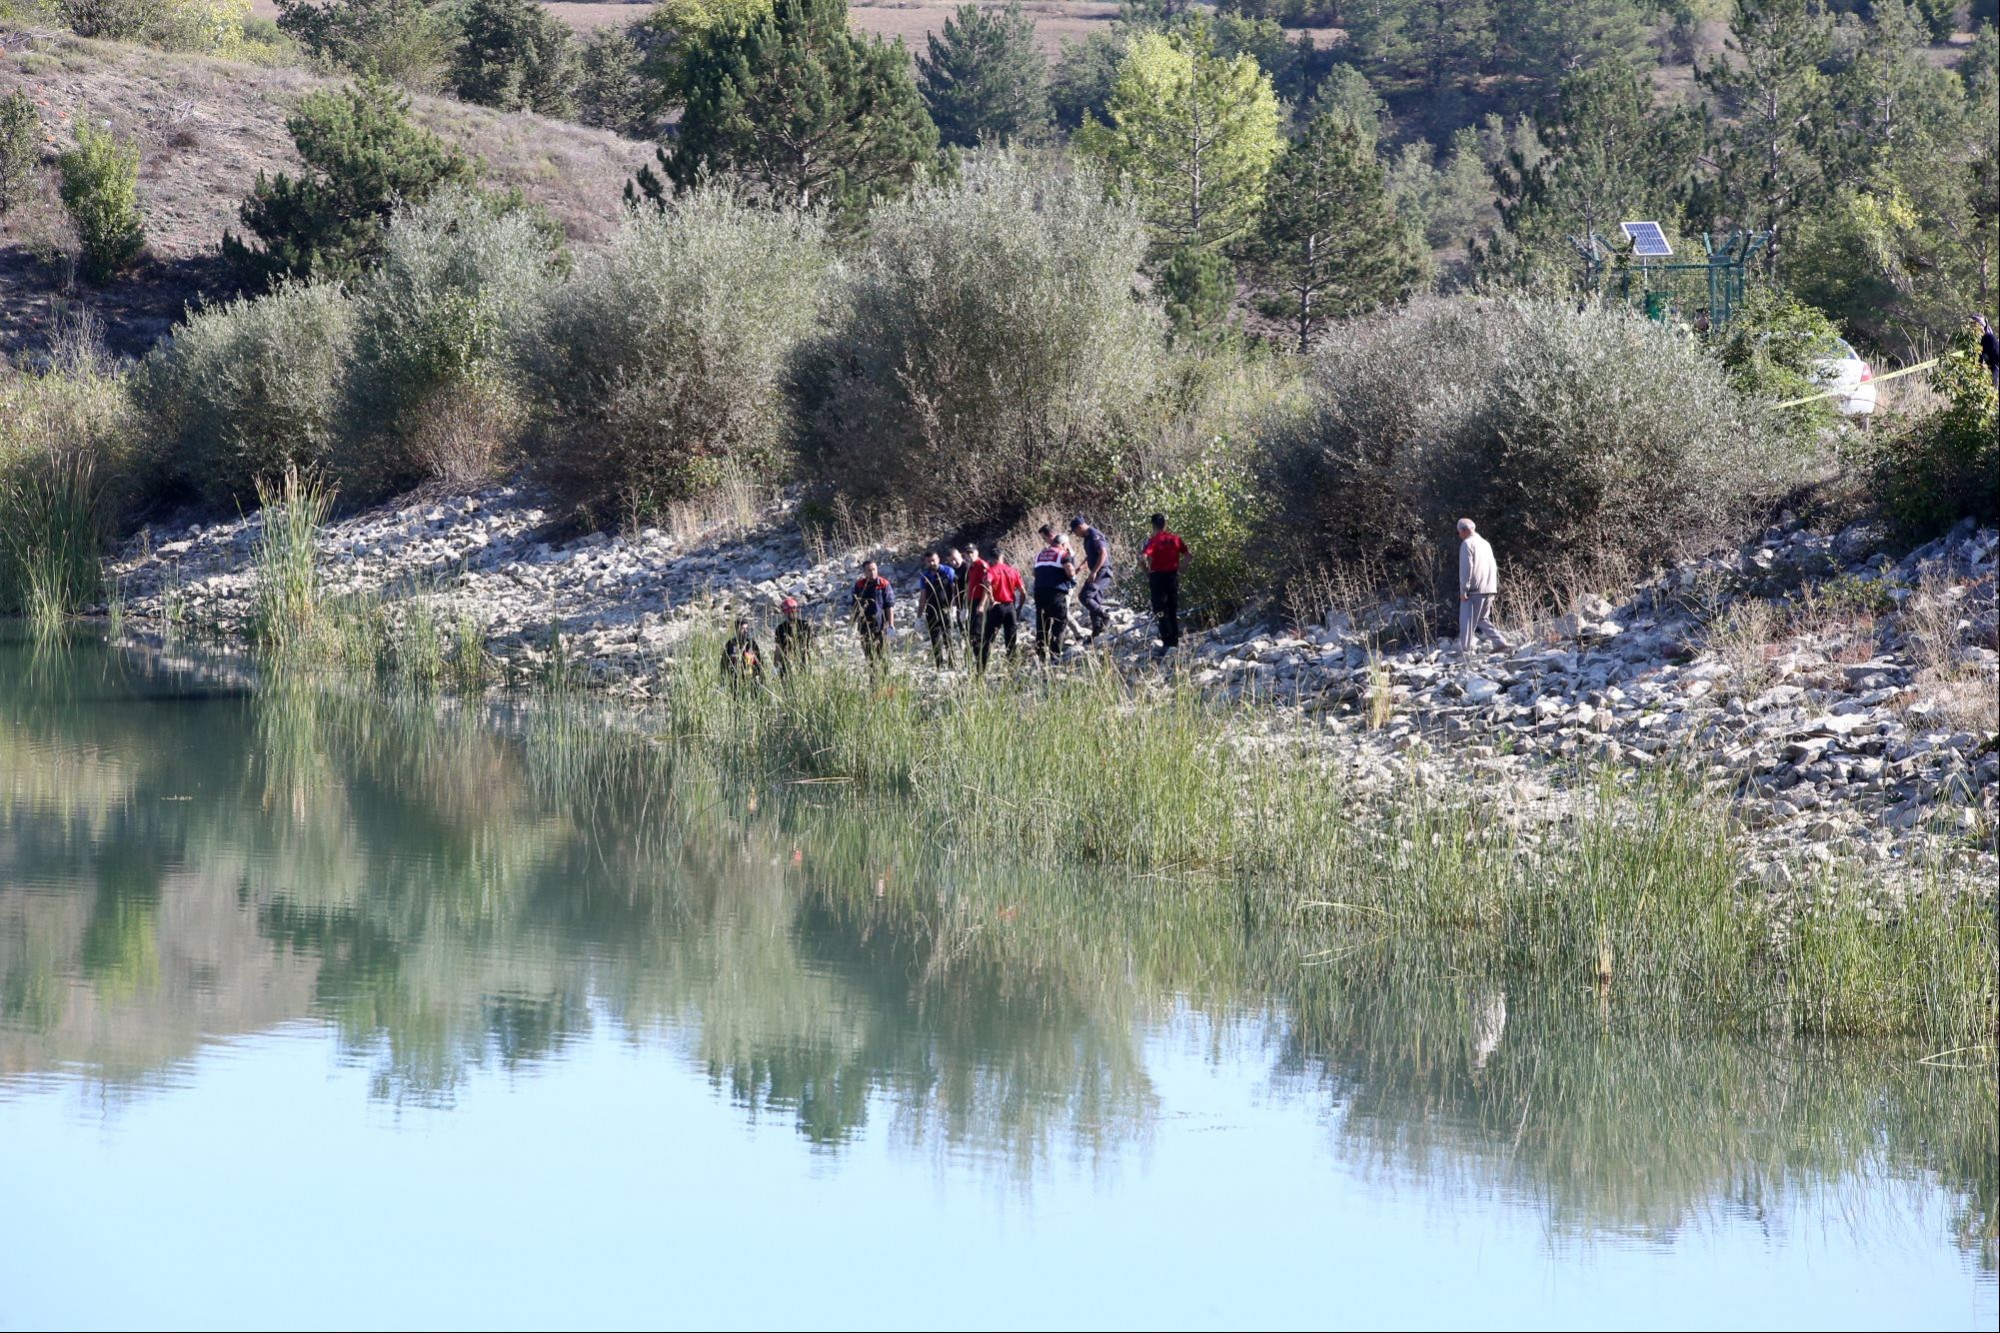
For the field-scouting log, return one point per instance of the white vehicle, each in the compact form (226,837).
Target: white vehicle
(1839,368)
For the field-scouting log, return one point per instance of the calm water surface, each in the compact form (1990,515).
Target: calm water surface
(318,1008)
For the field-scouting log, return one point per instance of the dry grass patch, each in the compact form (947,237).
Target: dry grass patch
(1952,692)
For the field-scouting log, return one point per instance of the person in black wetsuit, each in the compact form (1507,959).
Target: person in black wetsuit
(742,659)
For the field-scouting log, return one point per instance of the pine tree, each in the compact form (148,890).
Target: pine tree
(1547,40)
(984,79)
(363,157)
(515,56)
(1609,155)
(1769,85)
(800,109)
(1191,137)
(1329,243)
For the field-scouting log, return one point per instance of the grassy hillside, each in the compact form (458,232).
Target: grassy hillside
(205,128)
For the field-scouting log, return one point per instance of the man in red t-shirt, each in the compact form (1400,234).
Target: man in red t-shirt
(999,605)
(1164,552)
(972,591)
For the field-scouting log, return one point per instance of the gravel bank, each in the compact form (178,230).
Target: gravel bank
(1844,694)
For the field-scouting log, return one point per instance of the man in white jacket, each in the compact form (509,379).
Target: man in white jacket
(1478,583)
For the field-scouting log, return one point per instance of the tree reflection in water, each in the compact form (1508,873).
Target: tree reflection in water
(454,886)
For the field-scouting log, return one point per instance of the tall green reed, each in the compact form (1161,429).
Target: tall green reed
(1635,891)
(290,616)
(54,522)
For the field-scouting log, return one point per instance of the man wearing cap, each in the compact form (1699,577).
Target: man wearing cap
(1096,574)
(1054,574)
(1478,584)
(794,638)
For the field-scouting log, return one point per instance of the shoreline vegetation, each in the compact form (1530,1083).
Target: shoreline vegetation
(1617,882)
(823,949)
(960,329)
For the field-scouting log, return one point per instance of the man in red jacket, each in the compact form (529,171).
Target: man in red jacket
(1164,552)
(1000,606)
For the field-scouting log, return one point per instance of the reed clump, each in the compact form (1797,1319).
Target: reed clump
(64,445)
(1632,887)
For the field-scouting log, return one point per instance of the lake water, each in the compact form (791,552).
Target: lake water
(319,1008)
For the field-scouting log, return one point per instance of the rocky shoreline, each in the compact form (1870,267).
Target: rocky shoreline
(1842,694)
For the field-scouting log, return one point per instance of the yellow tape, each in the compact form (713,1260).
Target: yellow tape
(1878,379)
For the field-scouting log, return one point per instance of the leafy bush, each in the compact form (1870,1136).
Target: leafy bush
(517,56)
(1946,465)
(1568,435)
(1214,507)
(662,358)
(1769,347)
(100,188)
(246,390)
(65,439)
(364,158)
(989,350)
(435,327)
(20,148)
(211,26)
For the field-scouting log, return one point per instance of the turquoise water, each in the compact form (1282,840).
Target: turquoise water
(324,1008)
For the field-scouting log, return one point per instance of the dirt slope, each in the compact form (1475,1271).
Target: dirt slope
(205,128)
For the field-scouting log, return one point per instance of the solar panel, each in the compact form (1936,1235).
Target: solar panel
(1648,241)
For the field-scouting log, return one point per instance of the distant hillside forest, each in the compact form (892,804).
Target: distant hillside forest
(1280,266)
(1489,135)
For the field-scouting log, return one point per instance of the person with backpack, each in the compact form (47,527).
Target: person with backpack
(742,659)
(874,612)
(1055,575)
(1000,605)
(937,594)
(1096,575)
(1163,553)
(794,638)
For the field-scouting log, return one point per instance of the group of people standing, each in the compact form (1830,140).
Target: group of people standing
(979,596)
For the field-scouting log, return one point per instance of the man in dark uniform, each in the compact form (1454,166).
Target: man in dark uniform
(1096,574)
(937,595)
(1054,575)
(874,612)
